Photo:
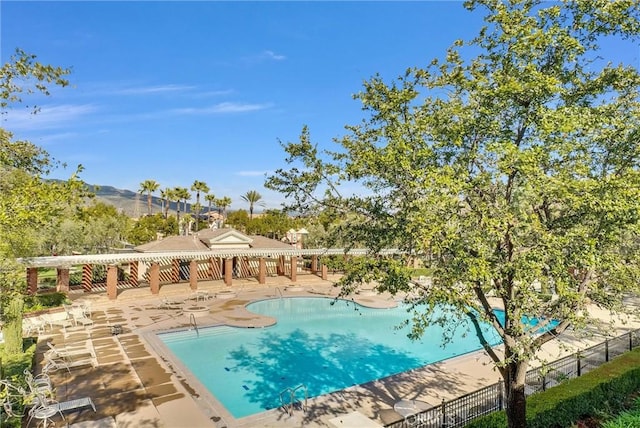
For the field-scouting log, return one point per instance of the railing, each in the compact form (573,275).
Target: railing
(193,323)
(291,394)
(462,410)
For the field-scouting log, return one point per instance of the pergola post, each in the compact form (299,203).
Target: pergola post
(262,271)
(154,278)
(112,282)
(314,263)
(324,274)
(228,271)
(62,284)
(193,274)
(294,268)
(32,280)
(280,266)
(87,277)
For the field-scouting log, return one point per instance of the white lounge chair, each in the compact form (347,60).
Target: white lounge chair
(71,351)
(166,303)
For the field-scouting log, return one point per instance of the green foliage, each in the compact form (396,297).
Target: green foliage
(12,367)
(238,219)
(28,201)
(38,302)
(604,389)
(23,74)
(272,223)
(12,328)
(146,229)
(95,228)
(627,419)
(513,161)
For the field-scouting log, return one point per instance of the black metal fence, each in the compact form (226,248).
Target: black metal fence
(462,410)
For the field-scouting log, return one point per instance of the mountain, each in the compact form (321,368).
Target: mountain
(131,203)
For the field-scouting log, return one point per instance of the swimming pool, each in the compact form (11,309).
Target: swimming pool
(324,344)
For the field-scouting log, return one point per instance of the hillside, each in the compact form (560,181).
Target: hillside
(131,203)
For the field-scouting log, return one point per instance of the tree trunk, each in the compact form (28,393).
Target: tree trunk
(516,404)
(12,329)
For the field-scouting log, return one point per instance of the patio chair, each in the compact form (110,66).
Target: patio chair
(69,351)
(54,363)
(166,303)
(65,322)
(81,319)
(44,409)
(33,324)
(40,384)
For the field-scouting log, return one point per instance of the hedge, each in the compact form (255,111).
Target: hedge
(606,388)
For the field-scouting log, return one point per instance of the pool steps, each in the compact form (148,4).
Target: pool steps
(189,334)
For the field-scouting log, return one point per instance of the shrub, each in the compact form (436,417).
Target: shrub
(44,301)
(603,389)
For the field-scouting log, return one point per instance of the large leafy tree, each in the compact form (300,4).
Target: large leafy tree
(512,162)
(148,187)
(27,200)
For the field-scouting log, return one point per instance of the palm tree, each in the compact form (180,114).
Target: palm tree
(148,186)
(184,196)
(222,204)
(199,186)
(211,199)
(166,196)
(253,197)
(175,195)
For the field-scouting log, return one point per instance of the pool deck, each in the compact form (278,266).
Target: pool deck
(135,384)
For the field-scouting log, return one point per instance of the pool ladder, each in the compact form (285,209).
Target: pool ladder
(279,291)
(291,394)
(193,323)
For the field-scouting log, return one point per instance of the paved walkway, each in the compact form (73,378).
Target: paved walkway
(135,384)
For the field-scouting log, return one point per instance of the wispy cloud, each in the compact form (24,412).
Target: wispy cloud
(144,90)
(49,117)
(206,94)
(272,55)
(222,108)
(251,173)
(264,56)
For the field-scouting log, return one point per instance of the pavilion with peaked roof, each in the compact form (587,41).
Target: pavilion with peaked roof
(211,254)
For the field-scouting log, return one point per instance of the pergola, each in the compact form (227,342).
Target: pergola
(194,265)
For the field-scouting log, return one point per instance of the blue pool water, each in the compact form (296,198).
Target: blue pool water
(325,346)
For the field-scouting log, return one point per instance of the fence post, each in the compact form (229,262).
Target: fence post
(500,395)
(579,370)
(606,349)
(444,414)
(630,342)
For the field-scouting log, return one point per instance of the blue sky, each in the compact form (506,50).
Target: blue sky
(184,91)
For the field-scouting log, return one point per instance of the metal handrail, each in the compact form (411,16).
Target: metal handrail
(192,322)
(288,407)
